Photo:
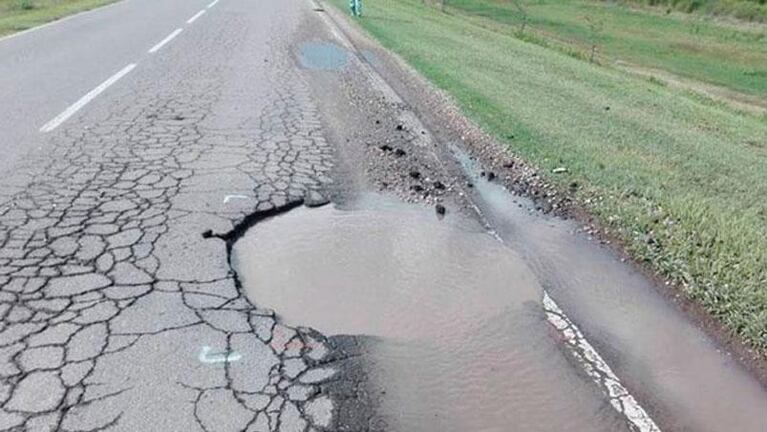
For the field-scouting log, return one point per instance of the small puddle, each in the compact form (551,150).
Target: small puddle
(322,56)
(460,341)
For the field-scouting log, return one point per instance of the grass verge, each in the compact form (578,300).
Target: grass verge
(18,15)
(694,47)
(680,179)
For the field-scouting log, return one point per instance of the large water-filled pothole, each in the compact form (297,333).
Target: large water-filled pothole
(460,340)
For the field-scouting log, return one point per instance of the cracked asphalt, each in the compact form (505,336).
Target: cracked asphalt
(141,141)
(117,313)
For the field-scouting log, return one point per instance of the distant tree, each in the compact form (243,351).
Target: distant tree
(522,12)
(595,29)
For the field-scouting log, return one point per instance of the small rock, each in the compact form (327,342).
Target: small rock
(440,209)
(508,164)
(439,185)
(416,188)
(385,147)
(559,170)
(490,176)
(400,127)
(399,152)
(415,174)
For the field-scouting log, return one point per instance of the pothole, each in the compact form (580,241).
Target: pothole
(460,341)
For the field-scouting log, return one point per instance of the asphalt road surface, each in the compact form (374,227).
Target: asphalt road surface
(141,140)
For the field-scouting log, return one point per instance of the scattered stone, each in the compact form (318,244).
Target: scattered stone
(440,209)
(559,170)
(415,174)
(439,185)
(490,176)
(400,127)
(385,147)
(399,152)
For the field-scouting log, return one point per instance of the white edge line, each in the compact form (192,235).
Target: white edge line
(167,39)
(213,3)
(194,18)
(59,21)
(619,396)
(599,370)
(61,118)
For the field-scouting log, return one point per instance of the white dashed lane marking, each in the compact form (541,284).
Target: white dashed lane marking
(167,39)
(213,3)
(61,118)
(194,18)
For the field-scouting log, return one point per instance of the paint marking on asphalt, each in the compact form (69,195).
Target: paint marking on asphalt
(233,197)
(194,18)
(594,365)
(597,368)
(61,118)
(207,355)
(167,39)
(213,3)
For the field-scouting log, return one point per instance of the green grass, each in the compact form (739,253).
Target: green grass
(17,15)
(681,179)
(691,47)
(752,10)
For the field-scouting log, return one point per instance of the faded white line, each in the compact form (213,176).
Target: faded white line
(232,197)
(61,118)
(194,18)
(598,369)
(213,3)
(167,39)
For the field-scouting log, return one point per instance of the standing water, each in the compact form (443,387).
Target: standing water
(461,340)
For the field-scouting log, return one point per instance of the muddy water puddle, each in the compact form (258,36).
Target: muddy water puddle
(459,341)
(679,374)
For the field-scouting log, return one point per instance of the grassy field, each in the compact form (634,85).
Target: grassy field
(682,180)
(753,10)
(17,15)
(693,47)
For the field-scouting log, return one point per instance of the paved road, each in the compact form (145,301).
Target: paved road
(141,139)
(115,310)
